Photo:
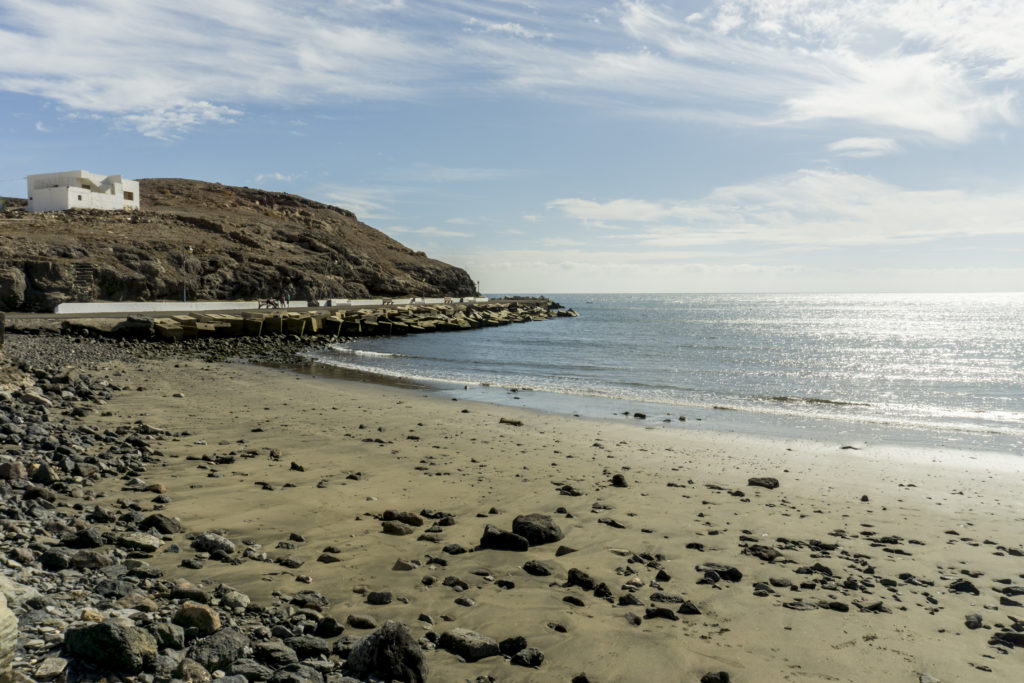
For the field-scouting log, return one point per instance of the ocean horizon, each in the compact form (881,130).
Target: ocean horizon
(935,370)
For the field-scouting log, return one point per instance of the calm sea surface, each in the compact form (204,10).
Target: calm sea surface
(936,369)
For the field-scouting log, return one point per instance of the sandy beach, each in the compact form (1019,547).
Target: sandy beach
(872,547)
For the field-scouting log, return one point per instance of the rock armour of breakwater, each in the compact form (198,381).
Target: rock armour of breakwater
(363,322)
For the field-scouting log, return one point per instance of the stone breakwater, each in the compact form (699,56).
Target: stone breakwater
(337,322)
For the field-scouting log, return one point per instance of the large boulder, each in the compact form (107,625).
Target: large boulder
(113,645)
(195,615)
(469,645)
(537,529)
(8,637)
(498,539)
(297,673)
(162,523)
(220,650)
(389,653)
(209,542)
(12,288)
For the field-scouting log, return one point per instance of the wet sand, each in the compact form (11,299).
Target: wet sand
(930,518)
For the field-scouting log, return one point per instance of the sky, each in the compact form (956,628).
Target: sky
(565,146)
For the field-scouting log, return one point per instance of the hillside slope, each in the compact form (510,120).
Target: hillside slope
(215,242)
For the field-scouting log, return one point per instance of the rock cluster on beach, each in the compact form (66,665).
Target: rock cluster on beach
(105,580)
(87,600)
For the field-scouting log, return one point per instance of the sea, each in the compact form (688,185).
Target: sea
(934,370)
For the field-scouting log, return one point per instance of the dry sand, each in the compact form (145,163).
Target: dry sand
(950,512)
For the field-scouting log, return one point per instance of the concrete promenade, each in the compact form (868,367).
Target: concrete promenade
(170,307)
(347,317)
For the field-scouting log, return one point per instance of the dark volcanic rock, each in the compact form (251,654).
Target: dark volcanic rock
(361,621)
(274,653)
(251,670)
(765,482)
(528,656)
(410,518)
(722,570)
(308,647)
(112,645)
(219,650)
(763,552)
(379,598)
(297,673)
(469,645)
(536,568)
(687,607)
(537,529)
(715,677)
(390,653)
(660,613)
(499,539)
(396,528)
(511,646)
(578,577)
(964,586)
(162,523)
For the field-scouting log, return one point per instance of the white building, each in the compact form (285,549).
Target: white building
(81,190)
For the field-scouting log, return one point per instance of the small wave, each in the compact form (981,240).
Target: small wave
(813,401)
(337,348)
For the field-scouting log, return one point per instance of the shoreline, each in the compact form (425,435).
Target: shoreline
(657,414)
(784,620)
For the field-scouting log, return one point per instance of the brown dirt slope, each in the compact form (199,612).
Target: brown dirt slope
(216,241)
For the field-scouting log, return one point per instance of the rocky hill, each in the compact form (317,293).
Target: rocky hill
(215,242)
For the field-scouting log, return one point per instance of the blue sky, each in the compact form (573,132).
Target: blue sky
(731,145)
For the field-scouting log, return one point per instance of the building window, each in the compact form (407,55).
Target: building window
(129,196)
(79,197)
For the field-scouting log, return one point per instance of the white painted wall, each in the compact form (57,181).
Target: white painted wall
(81,190)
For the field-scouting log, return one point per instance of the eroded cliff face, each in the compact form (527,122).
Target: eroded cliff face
(215,242)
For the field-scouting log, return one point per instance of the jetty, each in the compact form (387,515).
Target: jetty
(336,321)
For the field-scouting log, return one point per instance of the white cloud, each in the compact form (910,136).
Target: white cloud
(273,176)
(620,210)
(437,232)
(808,210)
(508,27)
(41,128)
(429,231)
(864,147)
(946,68)
(168,122)
(364,202)
(883,63)
(165,68)
(434,173)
